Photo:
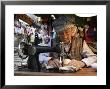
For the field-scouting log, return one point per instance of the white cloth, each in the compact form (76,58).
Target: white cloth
(44,57)
(32,37)
(17,30)
(22,30)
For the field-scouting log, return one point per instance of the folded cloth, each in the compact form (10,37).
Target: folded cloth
(49,67)
(52,69)
(67,69)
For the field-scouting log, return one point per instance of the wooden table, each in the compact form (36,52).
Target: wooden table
(82,72)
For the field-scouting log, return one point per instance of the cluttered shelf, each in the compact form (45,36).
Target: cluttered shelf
(82,72)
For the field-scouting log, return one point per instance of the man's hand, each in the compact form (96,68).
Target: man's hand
(77,64)
(67,62)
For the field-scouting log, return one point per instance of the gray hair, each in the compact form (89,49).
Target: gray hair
(63,22)
(64,27)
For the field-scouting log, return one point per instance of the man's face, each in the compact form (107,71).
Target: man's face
(66,34)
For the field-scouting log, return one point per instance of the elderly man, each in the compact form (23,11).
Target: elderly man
(78,54)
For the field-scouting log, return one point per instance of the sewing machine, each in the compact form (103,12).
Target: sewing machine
(33,54)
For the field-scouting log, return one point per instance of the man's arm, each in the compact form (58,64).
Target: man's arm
(89,56)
